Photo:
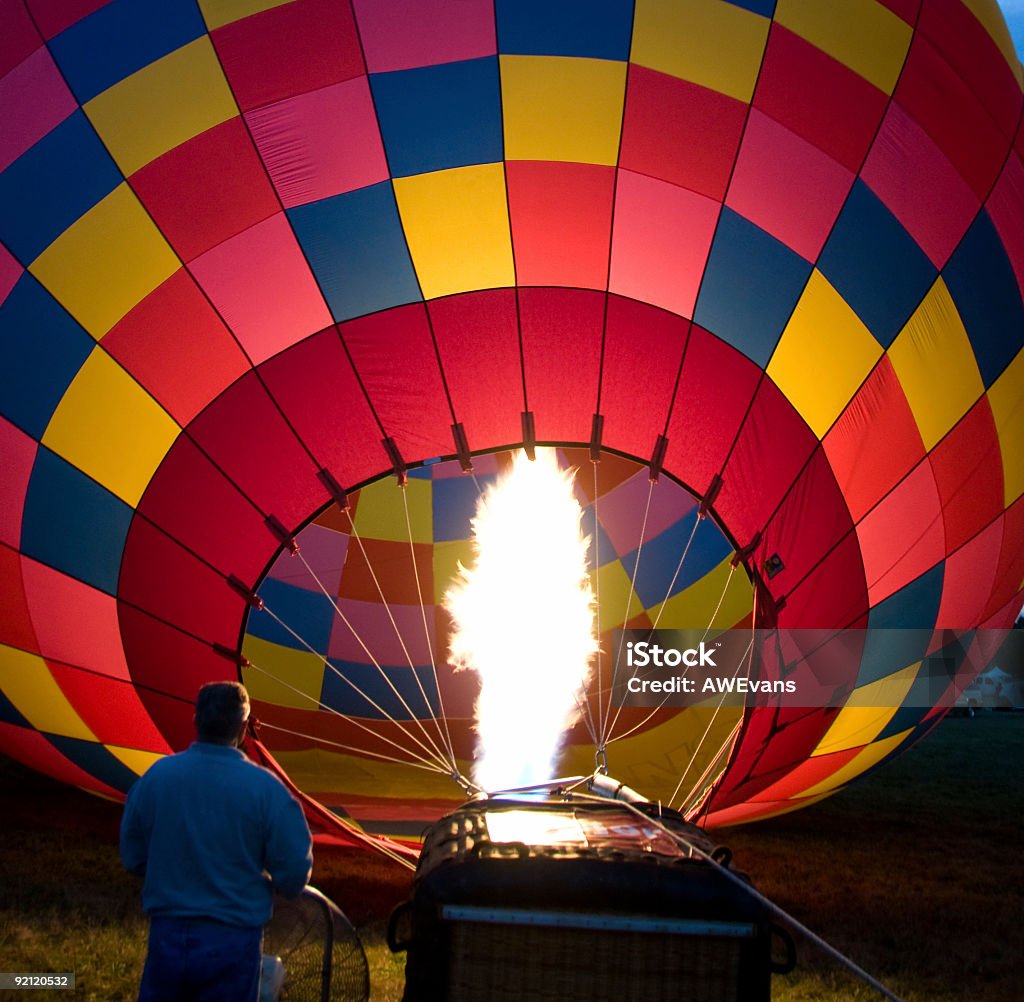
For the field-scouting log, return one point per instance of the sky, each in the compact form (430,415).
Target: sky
(1013,11)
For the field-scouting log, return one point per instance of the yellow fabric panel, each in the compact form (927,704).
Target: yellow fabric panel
(872,755)
(1006,398)
(217,13)
(456,224)
(612,584)
(561,108)
(136,760)
(709,42)
(862,34)
(991,17)
(321,770)
(162,105)
(868,711)
(689,610)
(447,556)
(299,668)
(826,338)
(106,262)
(380,513)
(27,683)
(935,363)
(111,428)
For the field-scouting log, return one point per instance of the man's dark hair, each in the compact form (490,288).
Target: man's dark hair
(221,708)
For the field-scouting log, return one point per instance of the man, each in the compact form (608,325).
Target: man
(212,834)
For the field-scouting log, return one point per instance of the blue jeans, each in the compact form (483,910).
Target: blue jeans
(198,960)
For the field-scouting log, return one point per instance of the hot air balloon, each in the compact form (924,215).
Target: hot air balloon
(296,276)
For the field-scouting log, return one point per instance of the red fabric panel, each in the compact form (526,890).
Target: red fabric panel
(287,50)
(160,577)
(561,357)
(663,118)
(787,186)
(74,622)
(149,343)
(1006,207)
(968,578)
(394,355)
(904,9)
(807,774)
(810,522)
(716,387)
(54,16)
(478,340)
(911,175)
(952,115)
(770,452)
(245,435)
(971,493)
(572,200)
(19,452)
(317,388)
(661,241)
(959,37)
(902,537)
(875,441)
(642,351)
(207,189)
(1010,572)
(834,594)
(818,98)
(168,667)
(16,628)
(391,562)
(191,500)
(110,708)
(32,749)
(19,38)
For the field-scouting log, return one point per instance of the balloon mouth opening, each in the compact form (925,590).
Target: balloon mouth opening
(348,659)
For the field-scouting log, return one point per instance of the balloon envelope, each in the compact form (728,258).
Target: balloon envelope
(254,253)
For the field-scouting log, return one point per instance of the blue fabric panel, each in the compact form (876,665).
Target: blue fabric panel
(914,607)
(9,714)
(341,696)
(751,284)
(890,649)
(659,559)
(599,29)
(94,759)
(119,39)
(309,613)
(53,183)
(601,550)
(902,720)
(875,265)
(41,350)
(437,117)
(981,281)
(454,504)
(356,247)
(74,524)
(766,8)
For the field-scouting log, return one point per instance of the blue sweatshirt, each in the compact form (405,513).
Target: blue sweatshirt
(211,833)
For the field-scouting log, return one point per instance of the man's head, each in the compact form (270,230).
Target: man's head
(222,708)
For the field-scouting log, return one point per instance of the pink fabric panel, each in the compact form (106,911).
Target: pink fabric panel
(371,620)
(968,577)
(74,623)
(397,35)
(620,511)
(19,452)
(35,99)
(903,536)
(324,550)
(10,272)
(261,284)
(1006,207)
(643,347)
(321,144)
(787,186)
(660,242)
(478,340)
(912,176)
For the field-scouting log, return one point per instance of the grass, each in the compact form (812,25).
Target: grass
(915,873)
